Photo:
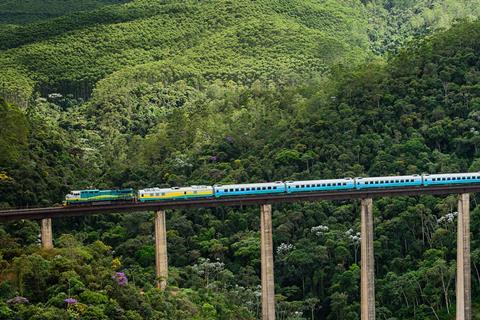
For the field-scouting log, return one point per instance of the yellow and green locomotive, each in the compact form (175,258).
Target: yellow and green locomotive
(96,196)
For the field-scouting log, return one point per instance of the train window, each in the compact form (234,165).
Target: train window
(236,189)
(303,186)
(263,188)
(323,184)
(185,192)
(329,184)
(226,190)
(242,189)
(269,188)
(274,188)
(463,178)
(297,187)
(231,190)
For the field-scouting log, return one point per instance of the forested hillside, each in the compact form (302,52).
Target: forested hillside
(14,12)
(238,40)
(171,93)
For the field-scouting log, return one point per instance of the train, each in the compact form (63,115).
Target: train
(96,196)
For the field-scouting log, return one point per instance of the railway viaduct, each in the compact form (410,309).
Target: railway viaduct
(463,278)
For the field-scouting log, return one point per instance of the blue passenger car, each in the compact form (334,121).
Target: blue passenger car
(451,178)
(320,185)
(249,189)
(388,182)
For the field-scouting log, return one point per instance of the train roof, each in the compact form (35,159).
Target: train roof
(412,176)
(156,189)
(97,190)
(248,185)
(467,174)
(319,181)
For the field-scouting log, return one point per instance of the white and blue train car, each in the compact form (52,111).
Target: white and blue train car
(320,185)
(249,189)
(388,182)
(451,178)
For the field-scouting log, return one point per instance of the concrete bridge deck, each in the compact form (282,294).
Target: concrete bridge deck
(69,211)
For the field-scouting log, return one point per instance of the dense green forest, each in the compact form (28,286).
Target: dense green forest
(170,93)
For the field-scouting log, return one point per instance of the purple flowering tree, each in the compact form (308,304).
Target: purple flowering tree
(121,278)
(70,301)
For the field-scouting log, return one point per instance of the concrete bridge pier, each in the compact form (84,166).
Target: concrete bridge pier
(46,233)
(367,285)
(268,287)
(464,298)
(161,259)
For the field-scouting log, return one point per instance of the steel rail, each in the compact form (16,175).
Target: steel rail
(69,211)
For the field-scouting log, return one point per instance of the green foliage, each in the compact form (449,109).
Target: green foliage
(239,40)
(27,11)
(13,134)
(218,92)
(394,23)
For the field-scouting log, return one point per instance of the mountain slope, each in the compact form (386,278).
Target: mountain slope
(70,54)
(17,12)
